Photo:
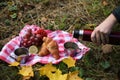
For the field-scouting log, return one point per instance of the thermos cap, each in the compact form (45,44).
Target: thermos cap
(78,33)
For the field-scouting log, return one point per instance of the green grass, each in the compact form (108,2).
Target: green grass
(65,15)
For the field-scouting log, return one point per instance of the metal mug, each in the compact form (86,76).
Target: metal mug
(72,48)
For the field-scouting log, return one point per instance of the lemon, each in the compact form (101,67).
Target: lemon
(33,49)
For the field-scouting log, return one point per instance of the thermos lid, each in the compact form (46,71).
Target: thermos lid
(77,33)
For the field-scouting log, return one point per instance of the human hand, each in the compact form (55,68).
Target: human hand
(100,34)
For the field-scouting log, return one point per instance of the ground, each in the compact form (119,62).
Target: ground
(65,15)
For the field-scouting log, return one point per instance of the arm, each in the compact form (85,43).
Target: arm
(101,32)
(116,13)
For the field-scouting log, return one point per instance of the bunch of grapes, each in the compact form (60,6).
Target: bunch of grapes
(33,38)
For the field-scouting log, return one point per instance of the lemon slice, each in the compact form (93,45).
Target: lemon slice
(33,49)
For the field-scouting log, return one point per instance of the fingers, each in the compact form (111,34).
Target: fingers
(93,37)
(99,37)
(107,38)
(102,38)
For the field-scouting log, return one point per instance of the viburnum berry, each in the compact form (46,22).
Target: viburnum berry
(33,38)
(41,32)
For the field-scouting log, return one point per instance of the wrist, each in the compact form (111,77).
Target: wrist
(113,19)
(109,21)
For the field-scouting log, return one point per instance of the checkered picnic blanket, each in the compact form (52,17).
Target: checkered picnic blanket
(59,36)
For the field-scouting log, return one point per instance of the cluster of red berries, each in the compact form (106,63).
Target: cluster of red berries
(33,38)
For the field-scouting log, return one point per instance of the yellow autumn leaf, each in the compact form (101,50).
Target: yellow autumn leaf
(52,72)
(57,75)
(14,63)
(47,68)
(73,76)
(26,71)
(69,61)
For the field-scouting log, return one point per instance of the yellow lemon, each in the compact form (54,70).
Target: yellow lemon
(33,49)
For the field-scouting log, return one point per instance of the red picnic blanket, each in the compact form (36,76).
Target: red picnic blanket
(59,36)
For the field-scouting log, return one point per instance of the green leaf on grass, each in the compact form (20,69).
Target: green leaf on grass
(89,79)
(81,72)
(12,8)
(105,64)
(14,15)
(74,69)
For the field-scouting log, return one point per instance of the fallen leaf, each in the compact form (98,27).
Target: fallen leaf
(52,72)
(74,76)
(57,75)
(43,19)
(105,3)
(105,64)
(48,68)
(26,71)
(14,63)
(107,48)
(69,61)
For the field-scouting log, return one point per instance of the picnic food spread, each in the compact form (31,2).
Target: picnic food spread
(39,39)
(44,46)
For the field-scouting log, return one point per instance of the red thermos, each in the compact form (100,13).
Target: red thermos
(114,37)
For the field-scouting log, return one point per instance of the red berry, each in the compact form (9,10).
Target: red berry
(29,43)
(38,36)
(41,32)
(33,43)
(25,40)
(27,35)
(33,38)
